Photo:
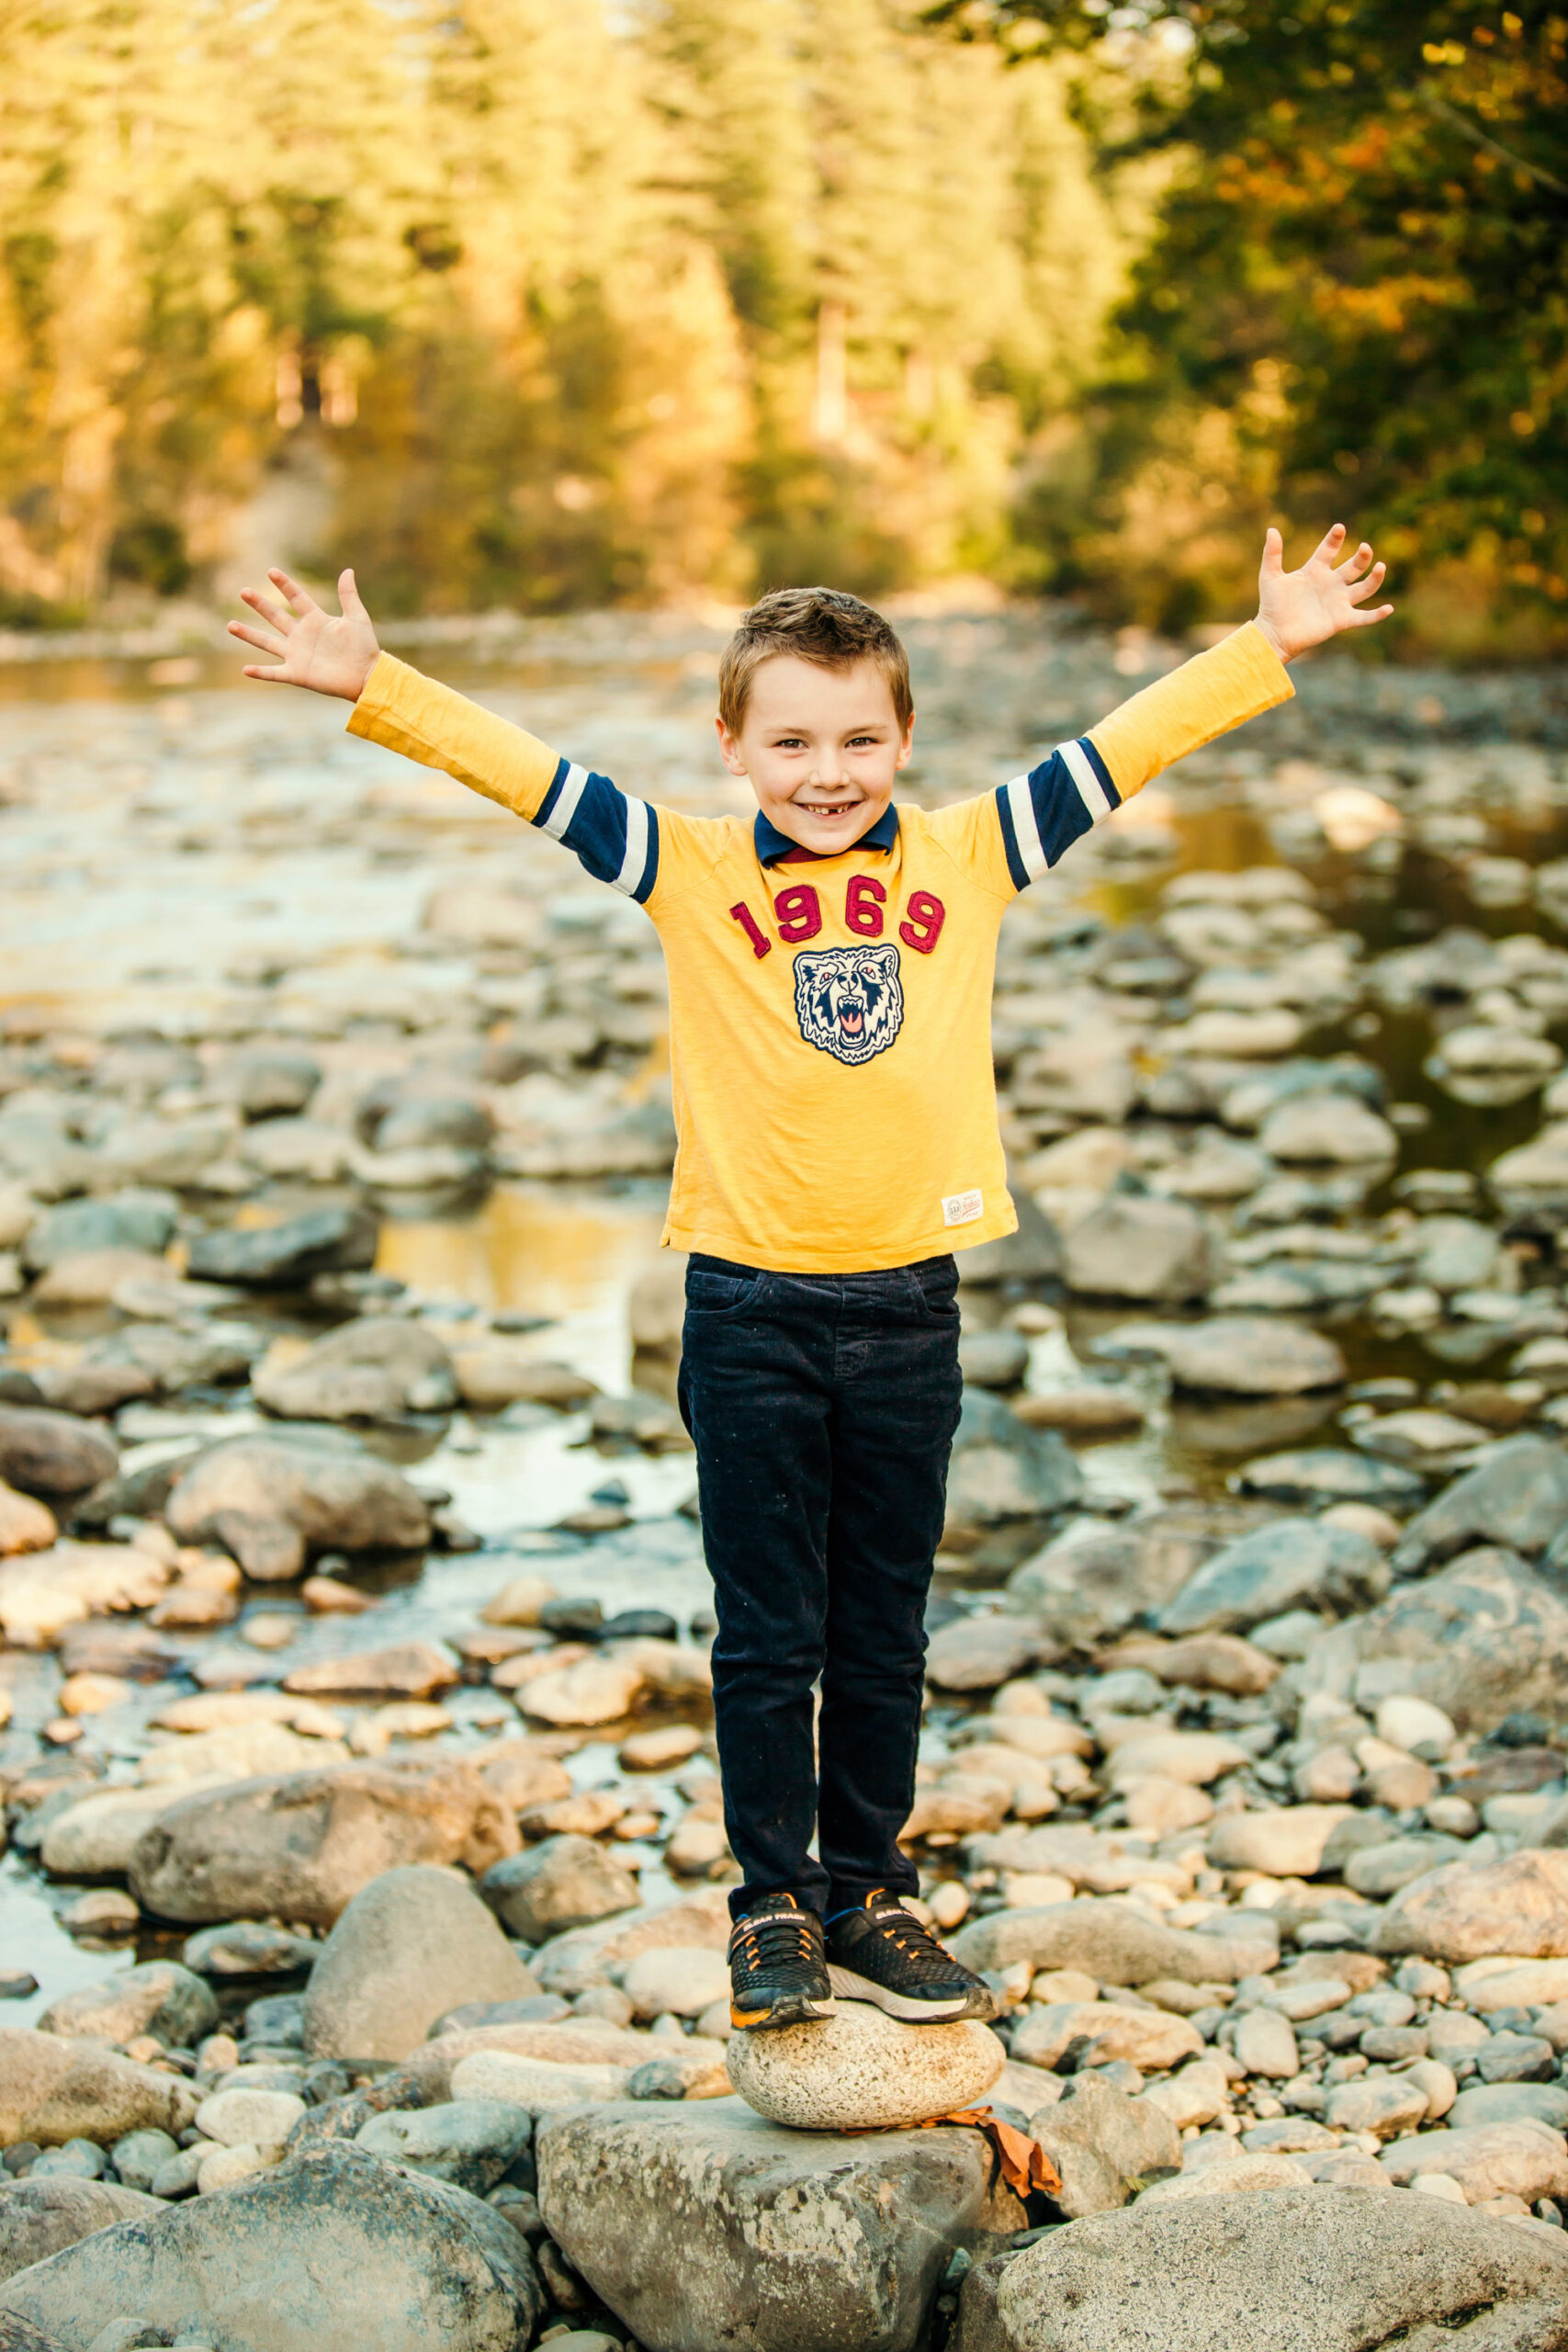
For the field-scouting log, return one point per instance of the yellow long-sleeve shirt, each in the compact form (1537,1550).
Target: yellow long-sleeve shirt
(829,1025)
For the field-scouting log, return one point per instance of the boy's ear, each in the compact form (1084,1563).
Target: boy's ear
(729,749)
(906,749)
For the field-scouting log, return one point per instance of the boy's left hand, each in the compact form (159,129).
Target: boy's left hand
(1296,609)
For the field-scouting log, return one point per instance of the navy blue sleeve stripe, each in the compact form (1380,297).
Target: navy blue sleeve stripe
(1016,866)
(1053,806)
(614,839)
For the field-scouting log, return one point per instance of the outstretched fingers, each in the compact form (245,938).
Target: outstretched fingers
(254,637)
(1357,591)
(266,610)
(300,600)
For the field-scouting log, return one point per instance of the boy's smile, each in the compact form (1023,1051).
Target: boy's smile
(820,749)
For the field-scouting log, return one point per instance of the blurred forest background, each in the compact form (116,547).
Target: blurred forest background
(550,303)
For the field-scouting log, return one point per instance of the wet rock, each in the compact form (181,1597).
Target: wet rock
(42,2217)
(595,1690)
(1524,2160)
(336,1497)
(96,1837)
(1464,1911)
(1333,1128)
(373,1369)
(144,1221)
(44,1592)
(290,2257)
(1139,1247)
(160,1997)
(267,1082)
(49,1454)
(1109,1941)
(302,1845)
(53,2089)
(1480,1640)
(469,2142)
(288,1255)
(567,1882)
(1003,1469)
(406,1670)
(411,1945)
(1333,1474)
(491,1377)
(1303,2265)
(92,1277)
(1517,1496)
(730,2230)
(1289,1564)
(1236,1355)
(861,2070)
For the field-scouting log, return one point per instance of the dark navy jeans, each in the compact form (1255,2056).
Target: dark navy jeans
(823,1409)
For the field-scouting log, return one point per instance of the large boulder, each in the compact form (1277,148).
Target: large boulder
(373,1369)
(43,1452)
(332,2249)
(300,1846)
(1465,1911)
(1289,1564)
(1234,1355)
(1110,1941)
(862,2071)
(287,1256)
(1100,1575)
(729,2230)
(414,1943)
(1484,1637)
(335,1497)
(1139,1246)
(39,2218)
(53,2089)
(1002,1469)
(1340,2270)
(1517,1497)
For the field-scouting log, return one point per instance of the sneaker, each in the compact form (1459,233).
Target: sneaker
(777,1973)
(879,1952)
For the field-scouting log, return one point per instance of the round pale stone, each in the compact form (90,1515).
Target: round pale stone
(1230,2177)
(262,2119)
(224,2166)
(863,2070)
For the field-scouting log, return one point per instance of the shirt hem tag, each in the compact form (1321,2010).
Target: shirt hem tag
(963,1208)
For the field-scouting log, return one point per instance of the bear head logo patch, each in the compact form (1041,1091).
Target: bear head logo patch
(849,1001)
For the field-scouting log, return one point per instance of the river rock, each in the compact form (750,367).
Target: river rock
(298,2255)
(565,1883)
(1302,2265)
(1517,1496)
(1105,2146)
(53,2089)
(1525,2160)
(243,2117)
(39,2218)
(993,1359)
(142,1220)
(1266,2044)
(729,2230)
(467,2142)
(414,1943)
(1482,1639)
(1511,2103)
(1099,1575)
(1287,1841)
(1381,2104)
(1101,2032)
(578,1958)
(497,1374)
(1289,1564)
(861,2070)
(160,1997)
(1110,1941)
(1002,1469)
(97,1837)
(26,1524)
(681,1981)
(337,1498)
(302,1845)
(1139,1246)
(979,1652)
(373,1369)
(405,1671)
(52,1453)
(1234,1355)
(1332,1474)
(288,1255)
(1468,1910)
(594,1691)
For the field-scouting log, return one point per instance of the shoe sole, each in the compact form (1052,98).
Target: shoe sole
(979,2003)
(794,2008)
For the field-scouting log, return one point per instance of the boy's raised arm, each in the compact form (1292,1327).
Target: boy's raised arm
(613,837)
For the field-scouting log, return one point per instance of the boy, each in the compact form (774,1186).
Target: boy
(831,970)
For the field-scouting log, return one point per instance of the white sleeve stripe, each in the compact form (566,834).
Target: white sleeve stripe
(1091,790)
(565,810)
(635,857)
(1026,827)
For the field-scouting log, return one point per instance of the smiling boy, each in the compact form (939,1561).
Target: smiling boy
(831,965)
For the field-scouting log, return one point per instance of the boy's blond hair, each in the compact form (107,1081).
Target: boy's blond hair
(820,624)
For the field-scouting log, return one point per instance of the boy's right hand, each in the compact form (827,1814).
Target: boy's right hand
(330,657)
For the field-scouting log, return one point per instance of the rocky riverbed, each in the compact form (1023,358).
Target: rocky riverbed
(364,1907)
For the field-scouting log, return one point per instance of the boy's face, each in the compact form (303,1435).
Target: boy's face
(820,749)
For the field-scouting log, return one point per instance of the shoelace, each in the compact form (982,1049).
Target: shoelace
(778,1938)
(926,1957)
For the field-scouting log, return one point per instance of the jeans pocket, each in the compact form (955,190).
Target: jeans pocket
(936,1293)
(710,1295)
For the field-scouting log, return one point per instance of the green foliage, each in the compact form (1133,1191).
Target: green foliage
(1356,303)
(532,302)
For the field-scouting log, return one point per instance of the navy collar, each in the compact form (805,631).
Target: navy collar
(773,846)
